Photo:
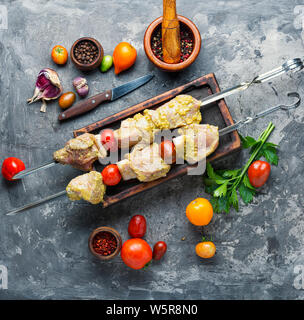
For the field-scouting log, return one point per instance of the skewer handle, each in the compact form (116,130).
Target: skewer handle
(292,65)
(261,114)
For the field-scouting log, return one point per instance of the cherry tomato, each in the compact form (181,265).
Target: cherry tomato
(167,151)
(111,175)
(66,100)
(205,249)
(159,250)
(108,140)
(136,253)
(137,226)
(59,54)
(11,166)
(258,173)
(199,212)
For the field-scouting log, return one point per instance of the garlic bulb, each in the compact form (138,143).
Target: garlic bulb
(48,87)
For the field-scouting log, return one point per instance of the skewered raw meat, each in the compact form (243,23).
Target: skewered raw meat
(196,142)
(146,162)
(80,152)
(180,111)
(132,130)
(83,151)
(125,170)
(88,186)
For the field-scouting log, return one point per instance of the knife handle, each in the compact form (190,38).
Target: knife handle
(86,105)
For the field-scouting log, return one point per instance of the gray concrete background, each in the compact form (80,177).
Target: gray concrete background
(45,249)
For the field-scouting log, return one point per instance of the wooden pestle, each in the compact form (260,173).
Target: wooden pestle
(170,33)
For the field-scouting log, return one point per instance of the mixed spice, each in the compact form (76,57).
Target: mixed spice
(104,243)
(85,52)
(186,39)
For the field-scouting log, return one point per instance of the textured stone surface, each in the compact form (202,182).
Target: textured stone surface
(45,249)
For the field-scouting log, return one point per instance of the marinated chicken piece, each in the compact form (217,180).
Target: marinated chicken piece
(146,162)
(140,128)
(125,170)
(180,111)
(89,187)
(80,152)
(196,142)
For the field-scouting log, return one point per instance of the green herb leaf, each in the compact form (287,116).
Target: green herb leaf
(223,184)
(211,173)
(234,200)
(270,154)
(223,204)
(214,203)
(246,193)
(247,183)
(221,191)
(247,142)
(231,173)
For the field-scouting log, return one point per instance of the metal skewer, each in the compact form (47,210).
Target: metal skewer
(292,65)
(222,132)
(27,172)
(35,203)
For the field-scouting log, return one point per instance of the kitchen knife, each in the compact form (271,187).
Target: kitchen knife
(109,95)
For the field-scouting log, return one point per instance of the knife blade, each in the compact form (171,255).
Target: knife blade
(108,95)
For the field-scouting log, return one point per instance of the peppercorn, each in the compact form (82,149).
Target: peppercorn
(86,52)
(186,41)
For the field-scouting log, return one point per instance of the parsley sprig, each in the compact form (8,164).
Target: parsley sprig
(225,185)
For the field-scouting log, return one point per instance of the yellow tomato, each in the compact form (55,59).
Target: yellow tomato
(59,54)
(199,212)
(124,57)
(205,249)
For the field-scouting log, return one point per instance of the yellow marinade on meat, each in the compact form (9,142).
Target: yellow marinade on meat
(178,112)
(89,187)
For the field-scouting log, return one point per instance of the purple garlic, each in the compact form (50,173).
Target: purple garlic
(81,86)
(48,87)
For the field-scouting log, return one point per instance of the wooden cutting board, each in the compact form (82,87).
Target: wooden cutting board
(216,113)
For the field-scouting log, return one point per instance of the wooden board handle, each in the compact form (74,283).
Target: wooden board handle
(86,105)
(170,33)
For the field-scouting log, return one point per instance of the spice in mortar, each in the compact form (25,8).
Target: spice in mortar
(186,44)
(104,243)
(86,52)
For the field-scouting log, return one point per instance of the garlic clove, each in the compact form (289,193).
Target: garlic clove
(81,86)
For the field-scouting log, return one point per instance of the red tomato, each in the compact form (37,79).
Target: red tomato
(258,173)
(159,250)
(136,253)
(59,54)
(11,166)
(108,140)
(66,100)
(111,175)
(167,151)
(137,226)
